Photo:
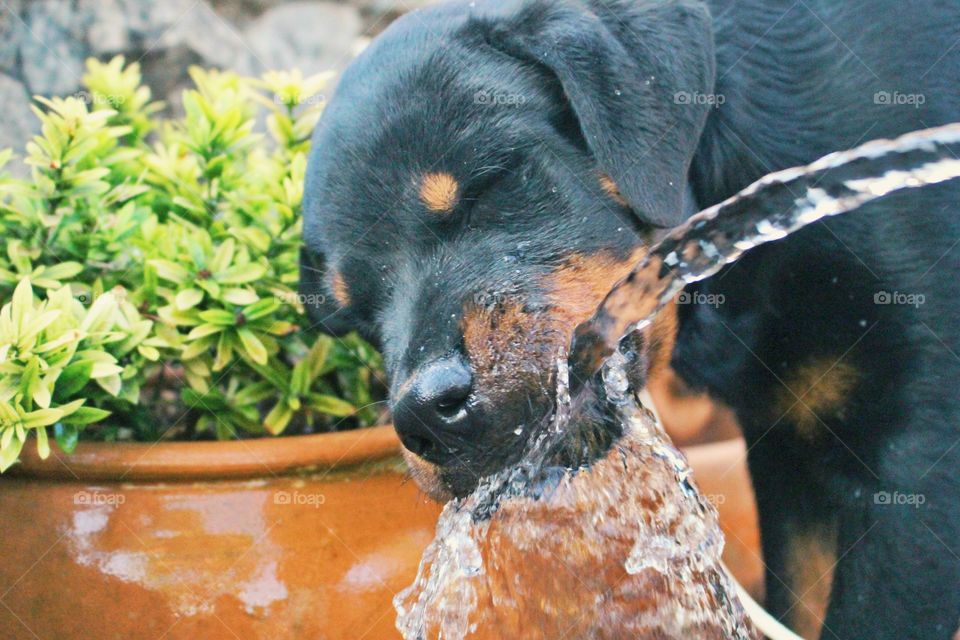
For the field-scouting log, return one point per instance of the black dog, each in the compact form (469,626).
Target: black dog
(487,170)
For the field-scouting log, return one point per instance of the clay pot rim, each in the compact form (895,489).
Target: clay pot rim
(210,460)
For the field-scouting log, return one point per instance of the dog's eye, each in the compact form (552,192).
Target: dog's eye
(484,182)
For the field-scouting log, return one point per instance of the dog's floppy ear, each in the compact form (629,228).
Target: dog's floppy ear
(323,311)
(637,73)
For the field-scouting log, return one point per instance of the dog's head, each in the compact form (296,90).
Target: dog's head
(484,174)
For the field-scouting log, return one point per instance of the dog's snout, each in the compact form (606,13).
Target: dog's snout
(432,414)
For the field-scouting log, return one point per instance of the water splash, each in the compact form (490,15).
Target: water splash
(553,553)
(769,209)
(627,547)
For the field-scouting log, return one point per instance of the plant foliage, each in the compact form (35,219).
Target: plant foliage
(149,266)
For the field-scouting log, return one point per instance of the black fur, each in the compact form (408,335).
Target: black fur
(672,98)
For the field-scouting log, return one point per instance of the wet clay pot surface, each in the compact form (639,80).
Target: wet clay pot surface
(300,537)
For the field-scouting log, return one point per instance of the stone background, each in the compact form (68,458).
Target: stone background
(43,43)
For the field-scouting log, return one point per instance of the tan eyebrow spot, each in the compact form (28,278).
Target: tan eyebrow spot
(439,192)
(340,292)
(611,189)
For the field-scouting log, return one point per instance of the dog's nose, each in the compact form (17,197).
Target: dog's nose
(432,414)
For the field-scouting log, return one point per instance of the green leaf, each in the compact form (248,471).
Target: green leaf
(253,346)
(188,299)
(278,418)
(210,401)
(105,370)
(22,304)
(30,378)
(300,379)
(170,271)
(111,384)
(86,415)
(224,352)
(204,330)
(41,418)
(242,274)
(254,393)
(83,416)
(43,444)
(150,353)
(100,315)
(260,309)
(10,454)
(239,297)
(317,357)
(331,405)
(72,379)
(66,436)
(218,316)
(62,271)
(224,256)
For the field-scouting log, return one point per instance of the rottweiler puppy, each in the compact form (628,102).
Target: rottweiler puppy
(488,169)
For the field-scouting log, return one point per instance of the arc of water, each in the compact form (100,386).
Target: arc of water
(772,207)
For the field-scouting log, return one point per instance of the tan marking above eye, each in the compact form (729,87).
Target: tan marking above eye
(439,192)
(823,388)
(611,189)
(340,292)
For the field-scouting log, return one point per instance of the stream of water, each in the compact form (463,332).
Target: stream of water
(627,547)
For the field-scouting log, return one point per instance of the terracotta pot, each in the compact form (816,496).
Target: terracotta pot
(299,537)
(708,433)
(720,470)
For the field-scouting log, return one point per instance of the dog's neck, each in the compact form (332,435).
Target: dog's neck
(772,106)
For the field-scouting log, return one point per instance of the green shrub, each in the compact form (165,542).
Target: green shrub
(149,268)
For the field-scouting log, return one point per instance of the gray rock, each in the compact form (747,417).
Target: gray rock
(210,36)
(144,27)
(166,38)
(17,123)
(11,32)
(310,36)
(391,7)
(241,12)
(44,43)
(51,49)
